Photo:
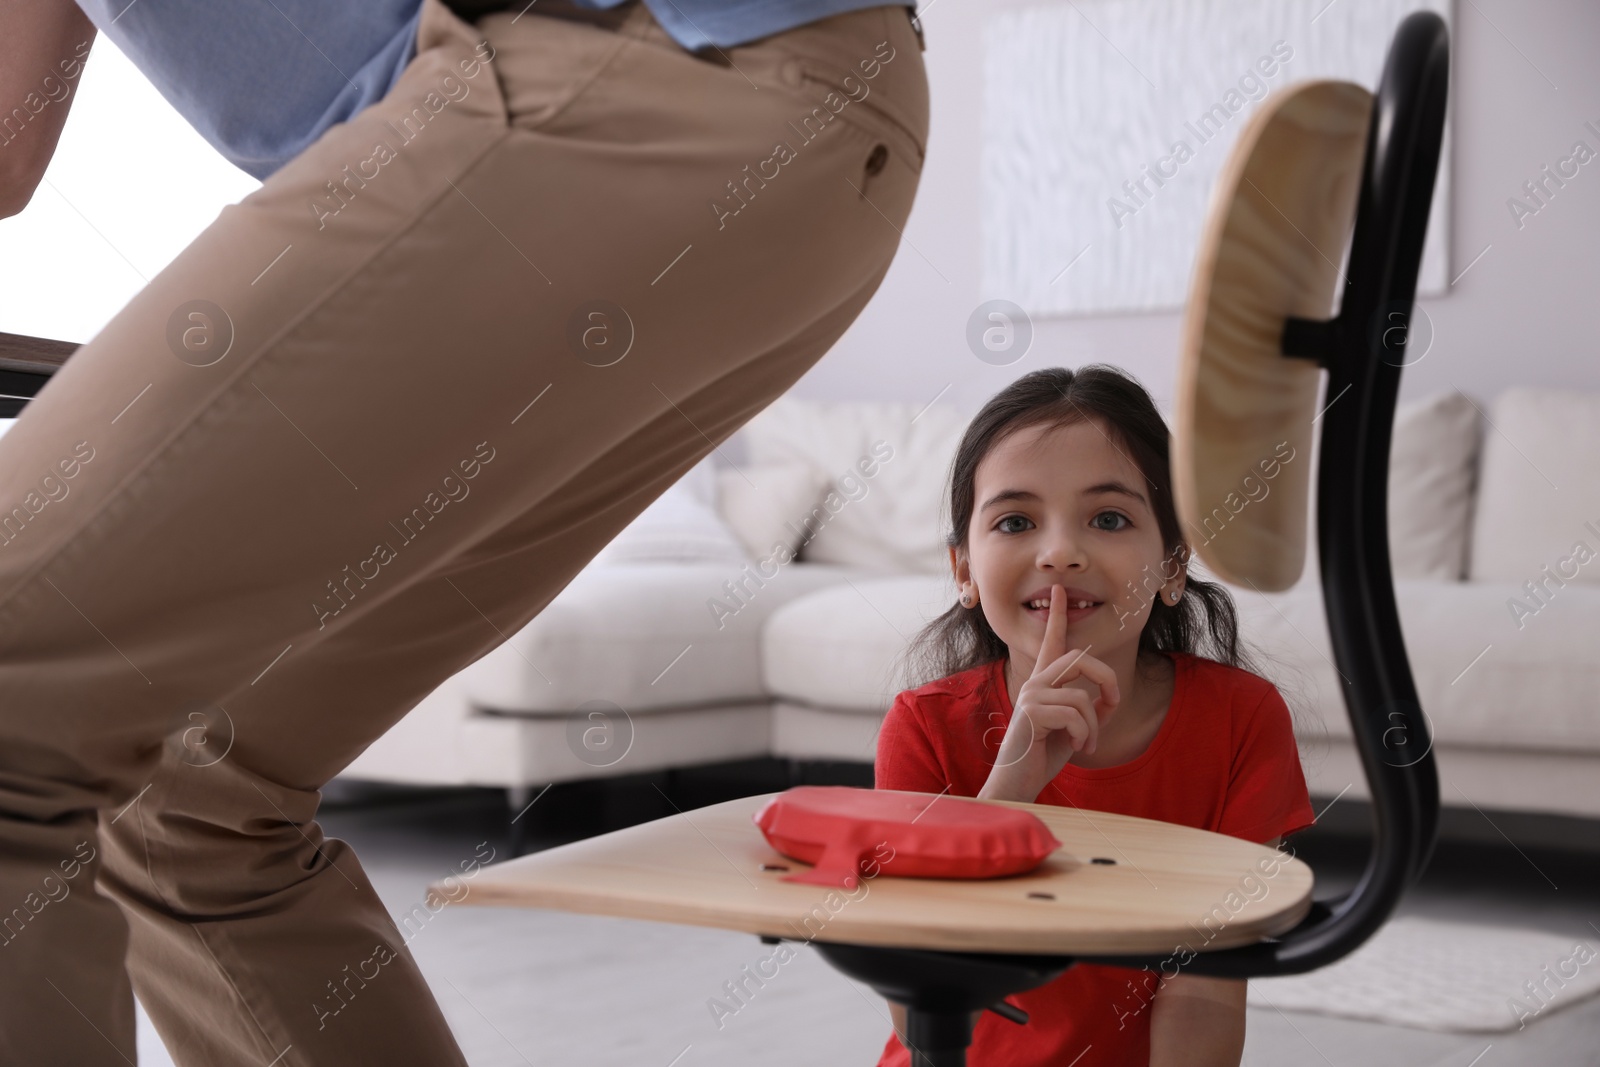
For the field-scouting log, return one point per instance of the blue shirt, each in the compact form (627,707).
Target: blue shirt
(261,80)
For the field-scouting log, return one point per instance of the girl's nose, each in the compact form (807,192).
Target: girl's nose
(1062,549)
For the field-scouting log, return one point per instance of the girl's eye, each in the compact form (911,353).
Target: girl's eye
(1001,524)
(1112,515)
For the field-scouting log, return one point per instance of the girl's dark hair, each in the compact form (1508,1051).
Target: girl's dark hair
(1204,622)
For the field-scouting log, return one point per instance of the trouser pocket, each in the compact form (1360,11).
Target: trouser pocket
(864,69)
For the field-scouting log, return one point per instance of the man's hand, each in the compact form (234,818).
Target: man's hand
(43,44)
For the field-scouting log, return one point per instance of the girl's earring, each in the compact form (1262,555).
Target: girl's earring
(966,600)
(1175,595)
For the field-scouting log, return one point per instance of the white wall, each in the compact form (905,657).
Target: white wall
(1523,314)
(130,185)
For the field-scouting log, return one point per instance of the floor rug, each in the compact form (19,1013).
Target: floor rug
(1445,976)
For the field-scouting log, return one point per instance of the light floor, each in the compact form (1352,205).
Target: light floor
(526,988)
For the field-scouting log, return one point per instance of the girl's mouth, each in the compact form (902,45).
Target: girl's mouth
(1076,609)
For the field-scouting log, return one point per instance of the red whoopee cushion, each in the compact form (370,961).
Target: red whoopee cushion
(841,831)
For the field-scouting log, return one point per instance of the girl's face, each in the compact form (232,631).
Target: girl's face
(1064,506)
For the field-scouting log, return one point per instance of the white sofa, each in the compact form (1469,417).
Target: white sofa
(726,651)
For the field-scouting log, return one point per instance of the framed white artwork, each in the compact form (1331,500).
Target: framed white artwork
(1106,123)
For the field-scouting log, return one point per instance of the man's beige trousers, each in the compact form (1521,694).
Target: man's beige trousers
(362,430)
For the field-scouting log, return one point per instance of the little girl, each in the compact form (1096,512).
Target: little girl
(1084,667)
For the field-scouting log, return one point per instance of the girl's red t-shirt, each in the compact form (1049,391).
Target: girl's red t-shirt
(1224,759)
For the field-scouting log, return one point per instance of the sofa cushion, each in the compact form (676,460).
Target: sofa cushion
(681,525)
(839,647)
(498,749)
(765,504)
(1433,461)
(893,520)
(887,464)
(645,636)
(1539,491)
(1487,673)
(805,732)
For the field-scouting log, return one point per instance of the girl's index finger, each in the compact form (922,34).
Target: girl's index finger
(1081,663)
(1054,643)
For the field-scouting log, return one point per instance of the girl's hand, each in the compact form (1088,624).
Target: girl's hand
(1052,720)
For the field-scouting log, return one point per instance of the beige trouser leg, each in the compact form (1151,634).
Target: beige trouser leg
(389,437)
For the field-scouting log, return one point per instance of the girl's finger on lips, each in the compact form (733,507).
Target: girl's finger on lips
(1054,642)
